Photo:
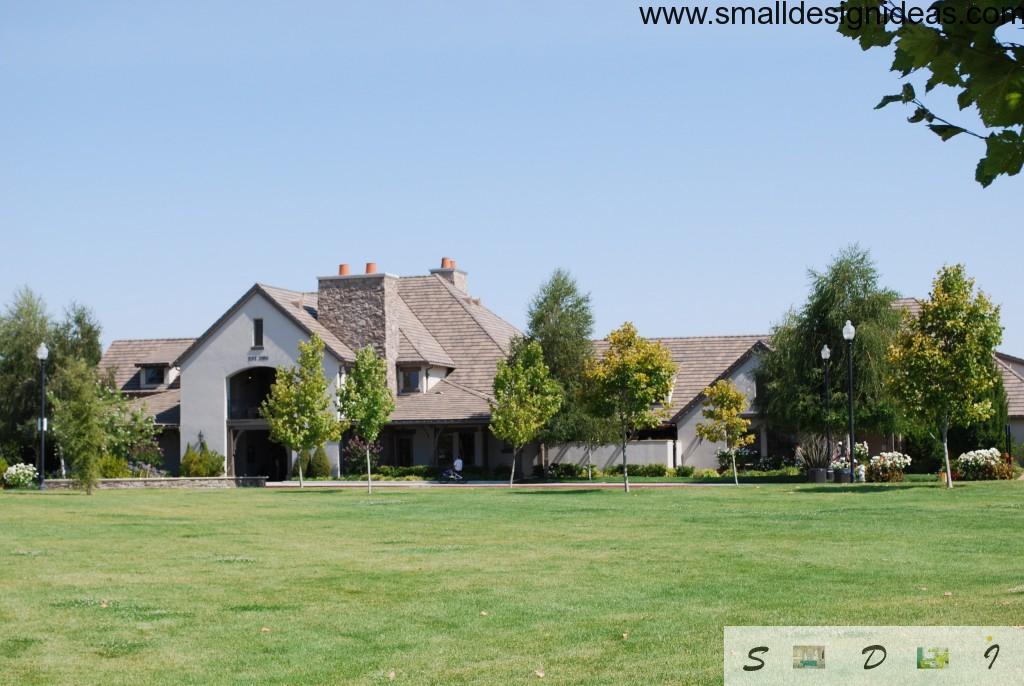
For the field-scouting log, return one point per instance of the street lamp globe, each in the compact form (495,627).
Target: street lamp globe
(42,352)
(826,354)
(849,331)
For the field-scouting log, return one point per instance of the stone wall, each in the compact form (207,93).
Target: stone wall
(178,482)
(359,309)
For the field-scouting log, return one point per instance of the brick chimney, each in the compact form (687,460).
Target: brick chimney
(452,274)
(359,310)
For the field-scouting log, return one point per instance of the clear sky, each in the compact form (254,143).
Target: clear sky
(158,158)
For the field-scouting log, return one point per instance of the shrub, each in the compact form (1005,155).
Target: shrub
(566,470)
(113,467)
(20,475)
(684,470)
(654,470)
(887,467)
(355,456)
(502,471)
(3,465)
(319,467)
(984,465)
(706,473)
(419,471)
(202,462)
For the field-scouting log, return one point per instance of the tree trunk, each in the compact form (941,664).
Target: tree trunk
(945,450)
(369,478)
(735,476)
(512,474)
(298,456)
(590,467)
(63,470)
(625,465)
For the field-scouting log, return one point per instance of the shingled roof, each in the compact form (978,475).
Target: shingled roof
(123,359)
(446,401)
(165,407)
(1012,370)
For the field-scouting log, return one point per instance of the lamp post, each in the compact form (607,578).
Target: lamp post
(826,356)
(849,331)
(42,352)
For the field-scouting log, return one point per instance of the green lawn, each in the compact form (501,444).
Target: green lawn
(591,587)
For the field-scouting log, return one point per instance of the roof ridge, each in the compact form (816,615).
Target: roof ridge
(151,340)
(697,338)
(461,301)
(1008,368)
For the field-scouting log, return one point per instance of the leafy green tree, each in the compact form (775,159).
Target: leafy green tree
(560,319)
(525,398)
(366,401)
(942,359)
(79,422)
(724,405)
(791,373)
(298,407)
(631,384)
(965,54)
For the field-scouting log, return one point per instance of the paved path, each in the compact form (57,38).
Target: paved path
(484,484)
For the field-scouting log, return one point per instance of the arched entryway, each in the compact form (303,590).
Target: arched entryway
(252,453)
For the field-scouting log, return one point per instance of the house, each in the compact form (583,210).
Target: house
(441,346)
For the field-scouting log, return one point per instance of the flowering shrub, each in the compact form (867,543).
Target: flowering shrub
(20,476)
(983,465)
(839,463)
(887,467)
(861,452)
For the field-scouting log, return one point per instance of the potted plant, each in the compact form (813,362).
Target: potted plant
(812,456)
(841,467)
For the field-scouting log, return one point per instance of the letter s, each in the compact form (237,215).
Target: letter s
(751,655)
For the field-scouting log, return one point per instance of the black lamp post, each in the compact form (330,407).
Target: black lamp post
(42,352)
(826,356)
(849,331)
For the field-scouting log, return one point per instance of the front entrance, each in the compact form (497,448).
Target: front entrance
(256,455)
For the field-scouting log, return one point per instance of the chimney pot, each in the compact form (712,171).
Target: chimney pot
(343,270)
(446,263)
(371,267)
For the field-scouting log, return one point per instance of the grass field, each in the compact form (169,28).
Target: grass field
(479,586)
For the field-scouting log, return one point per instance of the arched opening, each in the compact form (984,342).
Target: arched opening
(252,451)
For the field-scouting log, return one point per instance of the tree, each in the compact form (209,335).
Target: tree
(298,407)
(525,398)
(631,384)
(560,319)
(79,422)
(942,358)
(959,48)
(724,405)
(791,373)
(366,401)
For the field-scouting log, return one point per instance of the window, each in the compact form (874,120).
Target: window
(409,380)
(257,333)
(152,376)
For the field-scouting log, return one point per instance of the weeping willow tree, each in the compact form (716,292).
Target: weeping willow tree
(791,378)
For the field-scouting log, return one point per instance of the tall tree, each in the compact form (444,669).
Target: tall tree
(724,405)
(298,408)
(631,384)
(961,48)
(366,401)
(79,421)
(525,398)
(942,358)
(791,374)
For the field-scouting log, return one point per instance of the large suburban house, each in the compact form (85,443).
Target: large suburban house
(441,346)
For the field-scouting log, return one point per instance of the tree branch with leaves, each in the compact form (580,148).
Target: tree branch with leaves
(724,405)
(366,402)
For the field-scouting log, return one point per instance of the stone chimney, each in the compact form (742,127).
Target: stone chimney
(450,273)
(359,309)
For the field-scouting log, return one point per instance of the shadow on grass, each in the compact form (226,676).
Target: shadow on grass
(561,491)
(869,488)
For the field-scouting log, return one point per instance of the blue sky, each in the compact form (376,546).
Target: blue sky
(158,158)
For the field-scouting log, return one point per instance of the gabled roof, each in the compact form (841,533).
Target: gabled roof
(123,358)
(473,337)
(1010,368)
(165,407)
(700,361)
(416,344)
(297,306)
(910,305)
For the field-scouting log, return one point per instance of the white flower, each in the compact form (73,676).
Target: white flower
(20,475)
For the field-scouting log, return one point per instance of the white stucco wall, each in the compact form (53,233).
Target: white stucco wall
(701,454)
(606,456)
(205,374)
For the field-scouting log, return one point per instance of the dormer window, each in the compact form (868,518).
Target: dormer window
(257,333)
(152,376)
(410,380)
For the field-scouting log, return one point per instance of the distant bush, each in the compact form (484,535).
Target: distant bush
(684,470)
(319,466)
(984,465)
(20,475)
(562,470)
(3,466)
(201,461)
(502,471)
(706,473)
(654,470)
(420,471)
(113,467)
(355,455)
